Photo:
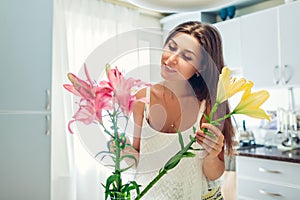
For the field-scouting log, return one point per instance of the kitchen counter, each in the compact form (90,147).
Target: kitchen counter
(271,153)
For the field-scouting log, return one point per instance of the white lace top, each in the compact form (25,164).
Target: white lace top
(184,182)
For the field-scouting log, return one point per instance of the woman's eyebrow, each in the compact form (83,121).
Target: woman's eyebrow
(173,41)
(189,51)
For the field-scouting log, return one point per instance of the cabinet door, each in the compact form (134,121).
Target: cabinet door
(259,36)
(251,189)
(289,33)
(25,157)
(231,39)
(25,54)
(266,179)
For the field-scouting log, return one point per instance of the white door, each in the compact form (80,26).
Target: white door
(25,54)
(289,16)
(25,157)
(25,76)
(231,39)
(259,48)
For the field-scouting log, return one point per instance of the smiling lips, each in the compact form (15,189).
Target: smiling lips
(169,69)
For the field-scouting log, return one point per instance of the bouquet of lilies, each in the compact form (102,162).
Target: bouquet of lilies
(117,96)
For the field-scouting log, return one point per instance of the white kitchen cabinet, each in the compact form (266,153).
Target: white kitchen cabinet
(267,179)
(259,48)
(25,54)
(25,111)
(289,37)
(231,39)
(25,157)
(270,46)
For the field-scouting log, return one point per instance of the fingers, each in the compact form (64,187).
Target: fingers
(213,129)
(212,145)
(123,140)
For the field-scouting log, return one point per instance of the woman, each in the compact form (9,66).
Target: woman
(190,65)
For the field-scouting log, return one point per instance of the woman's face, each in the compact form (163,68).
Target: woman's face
(181,57)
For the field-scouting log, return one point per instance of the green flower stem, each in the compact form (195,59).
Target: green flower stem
(213,110)
(214,122)
(161,173)
(208,133)
(223,118)
(114,119)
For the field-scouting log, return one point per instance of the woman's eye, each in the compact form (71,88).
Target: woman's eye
(186,57)
(171,47)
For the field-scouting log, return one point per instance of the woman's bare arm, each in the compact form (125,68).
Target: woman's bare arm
(213,166)
(138,115)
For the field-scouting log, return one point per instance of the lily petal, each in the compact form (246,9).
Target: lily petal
(71,89)
(228,87)
(250,103)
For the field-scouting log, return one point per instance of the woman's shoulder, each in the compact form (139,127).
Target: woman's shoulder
(156,90)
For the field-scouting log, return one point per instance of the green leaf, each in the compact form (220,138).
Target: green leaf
(112,157)
(213,110)
(108,153)
(109,181)
(136,186)
(215,123)
(189,154)
(194,130)
(125,169)
(173,161)
(206,117)
(174,158)
(172,164)
(209,133)
(106,131)
(180,139)
(125,187)
(131,157)
(192,138)
(108,144)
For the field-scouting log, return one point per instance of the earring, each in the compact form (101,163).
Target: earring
(197,74)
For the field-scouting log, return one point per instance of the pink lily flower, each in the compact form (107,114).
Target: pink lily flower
(90,107)
(114,76)
(125,94)
(86,114)
(79,87)
(96,98)
(103,101)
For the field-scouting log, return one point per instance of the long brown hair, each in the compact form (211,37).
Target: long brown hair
(205,85)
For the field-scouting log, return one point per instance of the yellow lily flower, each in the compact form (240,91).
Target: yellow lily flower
(228,87)
(250,103)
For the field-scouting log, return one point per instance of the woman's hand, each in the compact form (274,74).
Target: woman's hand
(212,146)
(112,145)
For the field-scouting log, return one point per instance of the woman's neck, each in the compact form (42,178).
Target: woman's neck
(179,88)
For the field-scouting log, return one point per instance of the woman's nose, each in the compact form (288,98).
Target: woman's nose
(173,59)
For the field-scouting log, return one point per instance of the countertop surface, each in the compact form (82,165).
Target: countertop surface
(272,153)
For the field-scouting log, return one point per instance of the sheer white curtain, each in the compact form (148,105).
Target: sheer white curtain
(79,26)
